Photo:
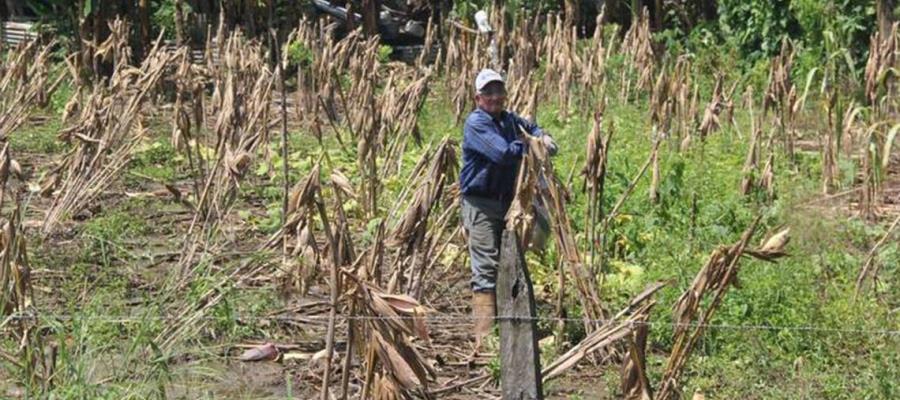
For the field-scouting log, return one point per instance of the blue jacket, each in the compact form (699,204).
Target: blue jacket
(491,154)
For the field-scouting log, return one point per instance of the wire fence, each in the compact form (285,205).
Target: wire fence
(126,319)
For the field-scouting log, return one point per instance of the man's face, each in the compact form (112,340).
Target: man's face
(492,97)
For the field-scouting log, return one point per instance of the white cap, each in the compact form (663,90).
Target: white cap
(486,76)
(481,20)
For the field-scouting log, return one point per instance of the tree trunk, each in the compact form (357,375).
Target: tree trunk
(83,35)
(14,8)
(179,23)
(144,10)
(656,14)
(709,10)
(351,22)
(97,18)
(370,17)
(226,13)
(885,14)
(618,12)
(250,17)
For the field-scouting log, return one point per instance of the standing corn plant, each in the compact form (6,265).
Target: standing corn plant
(24,84)
(640,60)
(106,132)
(242,101)
(692,315)
(536,167)
(412,233)
(18,313)
(880,75)
(781,97)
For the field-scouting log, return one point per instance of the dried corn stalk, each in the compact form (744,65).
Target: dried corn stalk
(637,46)
(460,68)
(412,233)
(297,236)
(750,171)
(413,224)
(24,84)
(880,75)
(242,101)
(713,281)
(560,46)
(105,134)
(680,84)
(537,167)
(594,172)
(781,96)
(635,385)
(400,109)
(17,309)
(384,339)
(622,325)
(767,177)
(882,59)
(831,141)
(593,69)
(710,122)
(654,171)
(15,289)
(188,120)
(519,83)
(662,109)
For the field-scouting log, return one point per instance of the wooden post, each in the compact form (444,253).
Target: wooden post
(884,12)
(520,363)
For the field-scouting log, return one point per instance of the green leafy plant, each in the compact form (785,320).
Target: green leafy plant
(299,54)
(757,27)
(384,53)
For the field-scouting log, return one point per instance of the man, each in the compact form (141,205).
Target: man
(492,151)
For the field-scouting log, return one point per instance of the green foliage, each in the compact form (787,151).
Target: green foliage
(155,160)
(163,18)
(299,54)
(384,53)
(757,27)
(104,235)
(38,139)
(835,35)
(114,226)
(55,17)
(466,9)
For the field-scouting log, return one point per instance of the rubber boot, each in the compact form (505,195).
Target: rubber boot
(483,313)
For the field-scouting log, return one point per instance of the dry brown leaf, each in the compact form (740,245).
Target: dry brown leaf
(400,302)
(341,181)
(302,193)
(399,367)
(265,352)
(777,242)
(239,162)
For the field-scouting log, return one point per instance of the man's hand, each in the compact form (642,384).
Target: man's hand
(544,138)
(550,144)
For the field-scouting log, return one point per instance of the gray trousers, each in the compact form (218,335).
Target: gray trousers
(483,220)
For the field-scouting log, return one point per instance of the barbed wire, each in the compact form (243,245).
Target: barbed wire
(122,319)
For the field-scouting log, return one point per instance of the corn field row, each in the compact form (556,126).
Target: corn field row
(225,115)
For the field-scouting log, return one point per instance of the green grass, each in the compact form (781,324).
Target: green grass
(156,160)
(812,288)
(40,139)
